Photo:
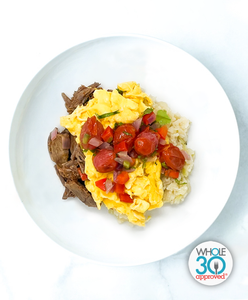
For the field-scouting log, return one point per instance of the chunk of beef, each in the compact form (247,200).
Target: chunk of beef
(76,151)
(73,144)
(68,155)
(67,193)
(78,154)
(58,154)
(69,170)
(80,97)
(70,178)
(80,191)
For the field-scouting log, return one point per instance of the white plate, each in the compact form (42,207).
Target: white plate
(170,75)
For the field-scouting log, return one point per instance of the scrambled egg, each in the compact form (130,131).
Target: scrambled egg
(144,185)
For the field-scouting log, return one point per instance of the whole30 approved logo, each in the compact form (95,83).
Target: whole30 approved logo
(210,263)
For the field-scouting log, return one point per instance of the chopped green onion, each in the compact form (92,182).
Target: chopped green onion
(164,165)
(127,133)
(86,138)
(154,153)
(107,114)
(144,163)
(179,182)
(120,91)
(148,111)
(126,164)
(118,124)
(94,151)
(162,117)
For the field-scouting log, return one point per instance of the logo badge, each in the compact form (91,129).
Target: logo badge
(210,263)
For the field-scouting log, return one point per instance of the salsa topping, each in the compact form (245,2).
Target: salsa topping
(116,149)
(91,128)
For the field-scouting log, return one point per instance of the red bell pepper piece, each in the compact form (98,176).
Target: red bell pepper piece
(174,174)
(101,184)
(82,175)
(122,146)
(171,173)
(120,188)
(125,198)
(162,131)
(108,135)
(122,178)
(146,118)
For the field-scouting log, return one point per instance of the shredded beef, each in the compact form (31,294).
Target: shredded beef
(81,192)
(68,162)
(80,97)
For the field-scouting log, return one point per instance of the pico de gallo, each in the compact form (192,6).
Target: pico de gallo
(116,149)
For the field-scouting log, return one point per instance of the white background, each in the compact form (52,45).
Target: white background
(32,33)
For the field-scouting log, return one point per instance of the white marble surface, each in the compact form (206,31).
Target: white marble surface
(32,33)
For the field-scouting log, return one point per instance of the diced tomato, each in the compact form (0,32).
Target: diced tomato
(146,143)
(82,175)
(101,184)
(144,128)
(125,133)
(173,157)
(133,162)
(162,131)
(174,174)
(104,161)
(91,128)
(125,198)
(149,118)
(171,173)
(120,188)
(122,146)
(122,178)
(108,135)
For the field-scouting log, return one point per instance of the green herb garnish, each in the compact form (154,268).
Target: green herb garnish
(94,151)
(148,111)
(120,91)
(144,162)
(127,133)
(164,165)
(107,114)
(154,153)
(162,117)
(118,124)
(179,182)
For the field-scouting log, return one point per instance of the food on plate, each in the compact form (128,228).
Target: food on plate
(121,149)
